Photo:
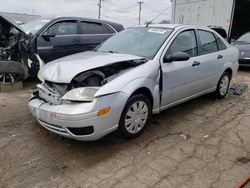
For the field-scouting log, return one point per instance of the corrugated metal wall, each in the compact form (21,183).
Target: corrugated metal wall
(203,12)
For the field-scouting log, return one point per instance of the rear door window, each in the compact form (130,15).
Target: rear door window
(221,44)
(93,28)
(208,42)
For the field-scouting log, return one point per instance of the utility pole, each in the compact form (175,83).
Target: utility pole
(100,7)
(140,3)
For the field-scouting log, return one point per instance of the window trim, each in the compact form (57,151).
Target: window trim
(217,40)
(196,39)
(99,23)
(52,24)
(200,53)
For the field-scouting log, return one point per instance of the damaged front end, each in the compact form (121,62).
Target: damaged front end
(84,85)
(17,58)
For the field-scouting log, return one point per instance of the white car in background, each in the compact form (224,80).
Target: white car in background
(139,71)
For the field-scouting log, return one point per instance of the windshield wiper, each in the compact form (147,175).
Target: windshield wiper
(112,52)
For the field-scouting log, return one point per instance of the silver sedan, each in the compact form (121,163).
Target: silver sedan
(139,71)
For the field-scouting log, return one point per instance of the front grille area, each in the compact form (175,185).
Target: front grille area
(244,61)
(82,131)
(245,53)
(48,95)
(55,128)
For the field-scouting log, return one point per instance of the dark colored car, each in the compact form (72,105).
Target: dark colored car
(50,38)
(220,30)
(62,36)
(16,60)
(243,44)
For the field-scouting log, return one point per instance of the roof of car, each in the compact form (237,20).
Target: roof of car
(84,19)
(177,26)
(171,26)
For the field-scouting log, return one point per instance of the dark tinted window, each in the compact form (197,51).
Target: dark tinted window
(208,42)
(221,44)
(93,28)
(184,42)
(111,30)
(222,32)
(64,28)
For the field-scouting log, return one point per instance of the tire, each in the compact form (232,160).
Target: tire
(223,86)
(140,106)
(15,69)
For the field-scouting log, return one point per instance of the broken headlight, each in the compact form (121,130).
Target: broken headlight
(40,76)
(83,94)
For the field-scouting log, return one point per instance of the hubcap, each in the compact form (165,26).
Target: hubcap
(136,117)
(224,83)
(8,77)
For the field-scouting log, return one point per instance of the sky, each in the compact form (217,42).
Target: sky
(120,11)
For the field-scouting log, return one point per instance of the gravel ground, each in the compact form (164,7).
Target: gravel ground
(204,143)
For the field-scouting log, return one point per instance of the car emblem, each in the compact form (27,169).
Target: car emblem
(242,53)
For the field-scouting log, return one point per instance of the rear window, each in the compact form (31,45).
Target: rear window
(221,44)
(93,28)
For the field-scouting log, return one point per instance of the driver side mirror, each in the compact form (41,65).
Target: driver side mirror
(48,34)
(177,56)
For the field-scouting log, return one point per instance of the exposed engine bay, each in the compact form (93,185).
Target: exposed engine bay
(17,61)
(103,75)
(95,78)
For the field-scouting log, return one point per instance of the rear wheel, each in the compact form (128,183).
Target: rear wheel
(223,86)
(135,116)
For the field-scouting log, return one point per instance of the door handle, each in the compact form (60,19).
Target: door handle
(220,56)
(196,63)
(76,41)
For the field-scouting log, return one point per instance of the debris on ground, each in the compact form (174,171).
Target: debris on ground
(185,137)
(243,160)
(238,88)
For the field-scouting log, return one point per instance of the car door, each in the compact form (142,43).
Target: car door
(211,59)
(179,78)
(93,33)
(59,40)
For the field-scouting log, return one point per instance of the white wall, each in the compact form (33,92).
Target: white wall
(203,12)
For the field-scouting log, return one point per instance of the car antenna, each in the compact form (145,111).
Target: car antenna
(148,23)
(158,15)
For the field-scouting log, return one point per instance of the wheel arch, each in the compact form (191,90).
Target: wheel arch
(230,72)
(144,91)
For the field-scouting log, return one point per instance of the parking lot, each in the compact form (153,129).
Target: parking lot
(202,143)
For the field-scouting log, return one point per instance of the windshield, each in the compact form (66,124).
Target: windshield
(244,38)
(141,41)
(34,25)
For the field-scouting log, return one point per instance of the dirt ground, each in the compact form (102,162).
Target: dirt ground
(204,143)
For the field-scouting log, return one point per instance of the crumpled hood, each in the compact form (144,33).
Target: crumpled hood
(63,70)
(8,22)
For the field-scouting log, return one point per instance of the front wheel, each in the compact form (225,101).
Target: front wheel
(135,116)
(11,71)
(223,86)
